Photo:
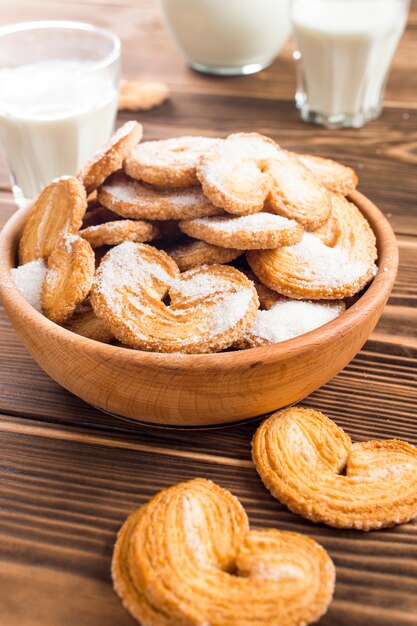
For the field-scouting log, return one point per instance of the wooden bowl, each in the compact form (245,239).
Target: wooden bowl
(185,390)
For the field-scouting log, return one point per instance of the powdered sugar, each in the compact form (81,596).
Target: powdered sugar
(327,266)
(29,279)
(230,310)
(124,267)
(200,285)
(132,191)
(69,241)
(290,318)
(239,153)
(258,222)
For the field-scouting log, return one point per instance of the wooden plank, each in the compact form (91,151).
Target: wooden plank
(73,523)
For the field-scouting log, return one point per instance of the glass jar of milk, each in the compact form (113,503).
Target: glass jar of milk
(228,37)
(59,84)
(344,50)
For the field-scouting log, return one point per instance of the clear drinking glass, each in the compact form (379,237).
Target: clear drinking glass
(59,84)
(228,37)
(343,50)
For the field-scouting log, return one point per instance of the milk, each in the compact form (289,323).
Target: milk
(228,36)
(346,48)
(53,116)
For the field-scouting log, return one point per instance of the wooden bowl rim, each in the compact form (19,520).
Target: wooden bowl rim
(376,295)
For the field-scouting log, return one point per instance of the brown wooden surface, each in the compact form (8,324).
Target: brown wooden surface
(70,474)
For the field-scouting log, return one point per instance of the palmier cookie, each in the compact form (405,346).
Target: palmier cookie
(312,270)
(289,318)
(244,171)
(130,198)
(189,557)
(194,253)
(311,466)
(247,232)
(113,233)
(57,211)
(110,158)
(84,322)
(168,163)
(334,176)
(138,95)
(210,307)
(68,278)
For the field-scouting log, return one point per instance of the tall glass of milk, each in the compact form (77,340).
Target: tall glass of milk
(59,85)
(228,37)
(344,50)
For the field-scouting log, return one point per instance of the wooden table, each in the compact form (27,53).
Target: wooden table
(70,474)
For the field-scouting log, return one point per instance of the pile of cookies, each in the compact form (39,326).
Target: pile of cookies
(250,244)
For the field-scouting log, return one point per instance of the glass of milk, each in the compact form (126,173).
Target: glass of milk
(228,37)
(344,50)
(59,84)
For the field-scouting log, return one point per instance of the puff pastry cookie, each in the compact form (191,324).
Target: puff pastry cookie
(113,233)
(310,465)
(69,275)
(194,253)
(110,158)
(247,232)
(85,322)
(245,170)
(130,198)
(189,557)
(335,176)
(209,308)
(57,211)
(312,270)
(137,95)
(169,162)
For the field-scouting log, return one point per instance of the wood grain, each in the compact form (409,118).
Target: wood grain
(70,474)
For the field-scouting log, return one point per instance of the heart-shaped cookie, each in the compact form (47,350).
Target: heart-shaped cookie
(69,275)
(261,231)
(310,464)
(169,162)
(245,170)
(209,307)
(57,211)
(312,270)
(188,557)
(110,158)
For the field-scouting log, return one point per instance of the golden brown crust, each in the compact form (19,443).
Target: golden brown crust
(296,193)
(244,171)
(193,253)
(334,176)
(175,558)
(261,231)
(169,162)
(68,278)
(310,465)
(110,158)
(57,211)
(113,233)
(130,198)
(312,270)
(84,322)
(139,95)
(210,307)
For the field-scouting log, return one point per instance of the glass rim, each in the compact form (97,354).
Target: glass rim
(35,25)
